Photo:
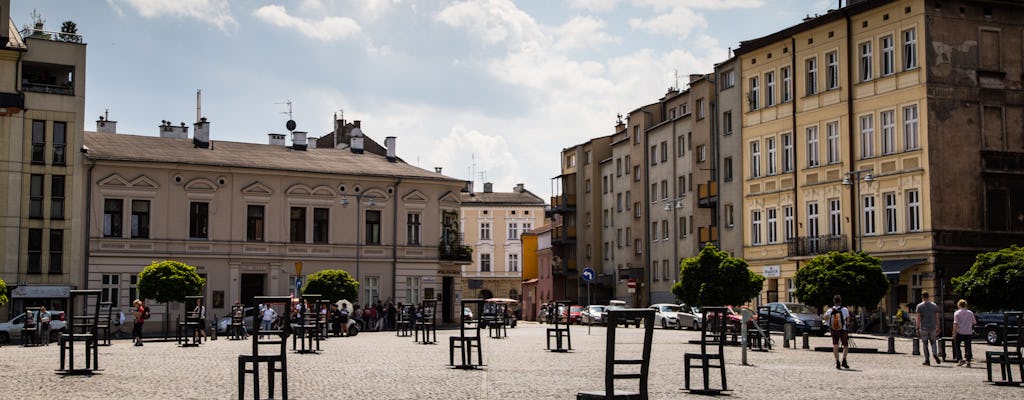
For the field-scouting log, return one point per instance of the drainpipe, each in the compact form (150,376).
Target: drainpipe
(849,126)
(796,178)
(646,256)
(88,217)
(394,242)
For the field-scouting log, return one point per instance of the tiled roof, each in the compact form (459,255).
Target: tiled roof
(121,147)
(494,198)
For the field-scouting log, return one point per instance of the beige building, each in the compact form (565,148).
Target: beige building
(493,223)
(247,215)
(42,103)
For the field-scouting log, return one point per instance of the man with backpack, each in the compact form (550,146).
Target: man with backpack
(836,318)
(928,327)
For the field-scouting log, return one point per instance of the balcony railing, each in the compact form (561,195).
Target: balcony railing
(707,194)
(814,245)
(455,250)
(707,234)
(564,267)
(563,202)
(564,234)
(51,35)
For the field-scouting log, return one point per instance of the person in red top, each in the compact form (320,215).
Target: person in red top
(139,312)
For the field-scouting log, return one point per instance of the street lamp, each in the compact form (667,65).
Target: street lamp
(359,203)
(853,179)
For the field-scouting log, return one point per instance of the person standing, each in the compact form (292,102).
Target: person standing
(139,313)
(199,314)
(267,315)
(836,318)
(928,327)
(963,331)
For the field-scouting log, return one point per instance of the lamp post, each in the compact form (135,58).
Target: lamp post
(853,179)
(359,203)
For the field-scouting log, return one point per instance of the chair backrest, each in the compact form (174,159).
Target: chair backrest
(610,376)
(1013,330)
(713,336)
(471,325)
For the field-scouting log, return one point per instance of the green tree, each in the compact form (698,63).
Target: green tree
(995,280)
(713,278)
(332,284)
(167,281)
(3,293)
(858,277)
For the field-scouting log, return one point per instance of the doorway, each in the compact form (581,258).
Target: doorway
(252,286)
(447,298)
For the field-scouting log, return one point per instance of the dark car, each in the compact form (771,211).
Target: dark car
(990,326)
(225,321)
(803,318)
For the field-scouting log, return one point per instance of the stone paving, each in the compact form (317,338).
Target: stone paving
(380,365)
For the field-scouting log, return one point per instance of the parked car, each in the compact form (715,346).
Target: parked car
(689,317)
(592,314)
(619,305)
(11,330)
(225,321)
(574,314)
(734,320)
(990,326)
(467,313)
(666,315)
(803,318)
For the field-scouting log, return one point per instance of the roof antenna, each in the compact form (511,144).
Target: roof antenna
(199,104)
(291,122)
(677,78)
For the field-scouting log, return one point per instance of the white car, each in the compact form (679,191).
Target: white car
(665,315)
(11,330)
(690,317)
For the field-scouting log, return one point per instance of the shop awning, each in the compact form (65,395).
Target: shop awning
(894,267)
(41,292)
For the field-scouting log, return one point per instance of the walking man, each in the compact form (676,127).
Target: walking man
(837,317)
(963,330)
(928,327)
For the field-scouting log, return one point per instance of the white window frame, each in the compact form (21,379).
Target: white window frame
(887,44)
(755,228)
(910,128)
(832,68)
(832,141)
(770,144)
(868,220)
(769,88)
(371,288)
(787,152)
(788,223)
(888,125)
(890,213)
(867,136)
(753,96)
(755,159)
(787,83)
(909,48)
(812,147)
(485,262)
(811,65)
(812,220)
(866,59)
(485,231)
(835,217)
(913,210)
(513,262)
(773,217)
(412,289)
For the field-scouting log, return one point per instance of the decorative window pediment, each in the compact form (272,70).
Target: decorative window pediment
(257,189)
(201,185)
(449,199)
(415,196)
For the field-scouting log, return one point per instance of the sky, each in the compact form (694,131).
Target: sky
(489,90)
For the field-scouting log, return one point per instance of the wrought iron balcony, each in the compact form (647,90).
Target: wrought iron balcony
(455,250)
(814,245)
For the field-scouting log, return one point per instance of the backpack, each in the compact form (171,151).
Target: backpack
(145,313)
(836,319)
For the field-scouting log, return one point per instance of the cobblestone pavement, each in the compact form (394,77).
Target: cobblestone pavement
(380,365)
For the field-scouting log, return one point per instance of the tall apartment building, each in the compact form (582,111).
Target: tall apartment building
(728,155)
(889,127)
(42,105)
(493,223)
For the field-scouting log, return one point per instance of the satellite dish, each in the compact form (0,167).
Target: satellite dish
(290,125)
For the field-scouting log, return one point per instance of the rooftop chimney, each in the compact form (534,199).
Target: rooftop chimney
(695,77)
(299,140)
(105,126)
(5,16)
(202,134)
(519,188)
(488,187)
(171,131)
(311,142)
(276,139)
(437,169)
(357,138)
(389,142)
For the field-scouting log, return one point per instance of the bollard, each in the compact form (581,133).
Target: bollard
(807,341)
(788,335)
(917,347)
(892,345)
(213,328)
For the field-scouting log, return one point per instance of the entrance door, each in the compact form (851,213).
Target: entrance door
(447,298)
(252,286)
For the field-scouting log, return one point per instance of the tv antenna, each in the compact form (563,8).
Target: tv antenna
(290,125)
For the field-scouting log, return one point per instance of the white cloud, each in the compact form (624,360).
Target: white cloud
(592,5)
(582,33)
(325,29)
(699,4)
(494,21)
(679,22)
(216,12)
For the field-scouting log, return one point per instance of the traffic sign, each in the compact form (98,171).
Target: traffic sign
(631,284)
(588,274)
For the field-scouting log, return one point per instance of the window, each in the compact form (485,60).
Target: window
(56,251)
(298,224)
(485,231)
(513,262)
(526,226)
(770,144)
(832,141)
(682,227)
(869,215)
(636,134)
(728,79)
(654,271)
(865,61)
(909,49)
(789,229)
(35,251)
(254,225)
(133,289)
(664,229)
(605,217)
(680,145)
(570,160)
(890,212)
(628,197)
(755,159)
(664,151)
(57,197)
(586,157)
(321,221)
(726,171)
(812,225)
(372,226)
(109,289)
(618,238)
(910,128)
(702,153)
(867,136)
(681,181)
(199,220)
(636,210)
(587,185)
(812,76)
(38,142)
(700,108)
(589,252)
(371,288)
(835,218)
(637,248)
(755,228)
(618,203)
(787,84)
(412,289)
(513,231)
(664,190)
(654,155)
(769,90)
(636,173)
(888,55)
(726,124)
(888,132)
(413,228)
(140,219)
(914,210)
(626,161)
(787,152)
(773,217)
(59,142)
(754,93)
(35,196)
(654,231)
(604,184)
(832,72)
(618,167)
(112,220)
(730,221)
(812,146)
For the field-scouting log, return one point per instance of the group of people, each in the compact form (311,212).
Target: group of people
(40,321)
(927,324)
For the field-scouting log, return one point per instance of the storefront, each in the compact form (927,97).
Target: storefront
(54,297)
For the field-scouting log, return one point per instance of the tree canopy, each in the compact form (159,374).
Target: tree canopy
(994,280)
(3,293)
(714,278)
(167,281)
(857,277)
(333,285)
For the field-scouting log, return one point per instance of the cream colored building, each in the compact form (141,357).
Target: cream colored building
(493,223)
(42,103)
(246,214)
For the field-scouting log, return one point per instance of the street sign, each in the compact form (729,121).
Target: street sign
(298,286)
(588,274)
(631,286)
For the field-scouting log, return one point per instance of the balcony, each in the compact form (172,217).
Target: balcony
(563,203)
(707,234)
(707,194)
(48,78)
(455,250)
(564,267)
(814,245)
(51,35)
(1003,161)
(563,235)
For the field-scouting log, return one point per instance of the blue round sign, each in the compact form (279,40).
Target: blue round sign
(588,274)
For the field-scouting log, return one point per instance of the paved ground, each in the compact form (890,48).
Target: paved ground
(380,365)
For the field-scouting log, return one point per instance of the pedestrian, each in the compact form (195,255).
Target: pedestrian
(44,326)
(963,331)
(344,311)
(199,315)
(267,315)
(837,318)
(139,313)
(928,327)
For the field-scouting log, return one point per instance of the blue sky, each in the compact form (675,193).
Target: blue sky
(495,87)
